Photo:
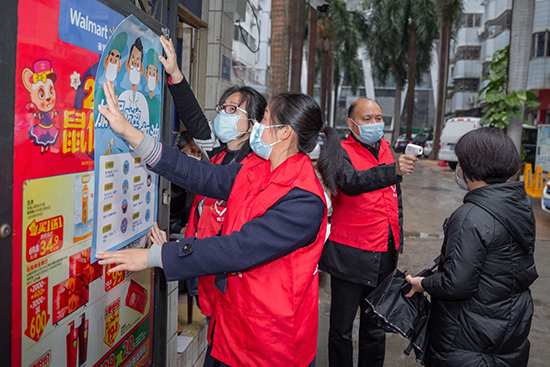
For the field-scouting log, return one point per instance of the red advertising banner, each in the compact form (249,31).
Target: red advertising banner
(59,297)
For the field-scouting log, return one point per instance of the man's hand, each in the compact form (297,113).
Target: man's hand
(131,260)
(170,62)
(405,164)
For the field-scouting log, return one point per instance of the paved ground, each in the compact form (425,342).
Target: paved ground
(430,195)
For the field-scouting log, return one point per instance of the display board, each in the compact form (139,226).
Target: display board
(66,310)
(126,200)
(543,148)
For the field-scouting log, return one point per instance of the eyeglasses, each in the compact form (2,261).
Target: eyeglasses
(229,109)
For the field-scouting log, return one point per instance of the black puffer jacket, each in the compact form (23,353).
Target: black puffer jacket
(482,306)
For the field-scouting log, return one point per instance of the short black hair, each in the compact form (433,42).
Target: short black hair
(137,44)
(354,104)
(487,154)
(182,139)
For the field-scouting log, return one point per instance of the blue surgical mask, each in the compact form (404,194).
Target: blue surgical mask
(225,126)
(258,146)
(462,183)
(370,133)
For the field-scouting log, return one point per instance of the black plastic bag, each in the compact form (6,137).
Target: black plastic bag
(399,314)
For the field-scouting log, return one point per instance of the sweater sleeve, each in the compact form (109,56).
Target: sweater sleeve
(291,223)
(194,120)
(200,177)
(463,259)
(359,182)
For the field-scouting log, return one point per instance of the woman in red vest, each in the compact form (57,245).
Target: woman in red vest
(266,312)
(223,142)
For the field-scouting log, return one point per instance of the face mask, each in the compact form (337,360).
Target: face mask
(459,180)
(134,75)
(258,146)
(111,71)
(151,83)
(370,133)
(225,126)
(194,157)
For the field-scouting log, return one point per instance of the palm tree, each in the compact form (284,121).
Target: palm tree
(385,34)
(520,50)
(279,46)
(422,32)
(297,44)
(345,66)
(449,12)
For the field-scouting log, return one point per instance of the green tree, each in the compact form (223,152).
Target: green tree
(450,11)
(421,32)
(500,104)
(385,33)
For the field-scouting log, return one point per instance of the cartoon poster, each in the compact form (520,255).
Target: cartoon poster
(126,192)
(67,311)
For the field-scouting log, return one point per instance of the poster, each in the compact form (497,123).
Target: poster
(126,192)
(67,311)
(543,148)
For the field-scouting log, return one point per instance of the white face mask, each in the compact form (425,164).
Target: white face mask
(134,75)
(462,183)
(151,83)
(111,71)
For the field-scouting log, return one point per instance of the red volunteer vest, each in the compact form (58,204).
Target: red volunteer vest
(362,221)
(268,315)
(207,225)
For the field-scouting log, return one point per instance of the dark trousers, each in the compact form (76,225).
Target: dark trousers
(345,299)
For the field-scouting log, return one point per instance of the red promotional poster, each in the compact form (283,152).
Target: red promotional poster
(60,297)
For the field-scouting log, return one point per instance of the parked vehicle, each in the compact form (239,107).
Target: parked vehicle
(453,130)
(314,154)
(428,148)
(401,142)
(545,202)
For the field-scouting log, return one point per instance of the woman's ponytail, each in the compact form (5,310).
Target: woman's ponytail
(330,162)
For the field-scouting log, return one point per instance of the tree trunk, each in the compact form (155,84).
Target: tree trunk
(330,77)
(397,110)
(441,87)
(298,46)
(325,48)
(335,111)
(411,77)
(520,50)
(312,50)
(279,46)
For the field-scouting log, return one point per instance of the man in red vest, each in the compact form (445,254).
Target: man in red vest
(366,234)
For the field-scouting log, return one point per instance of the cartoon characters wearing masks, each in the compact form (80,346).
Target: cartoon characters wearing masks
(152,74)
(40,83)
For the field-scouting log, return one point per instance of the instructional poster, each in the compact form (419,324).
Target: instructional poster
(543,148)
(126,191)
(67,310)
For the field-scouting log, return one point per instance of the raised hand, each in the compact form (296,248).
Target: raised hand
(116,119)
(170,63)
(158,236)
(405,164)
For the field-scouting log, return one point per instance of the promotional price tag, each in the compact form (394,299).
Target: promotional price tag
(37,309)
(44,238)
(112,325)
(113,279)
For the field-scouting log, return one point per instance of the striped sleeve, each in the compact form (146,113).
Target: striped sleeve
(149,149)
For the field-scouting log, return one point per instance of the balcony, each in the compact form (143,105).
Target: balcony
(467,69)
(467,37)
(539,73)
(494,8)
(463,101)
(491,45)
(541,19)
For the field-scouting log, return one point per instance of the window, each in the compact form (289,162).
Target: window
(471,20)
(236,33)
(467,53)
(466,85)
(539,44)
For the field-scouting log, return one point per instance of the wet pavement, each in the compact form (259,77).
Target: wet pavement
(429,196)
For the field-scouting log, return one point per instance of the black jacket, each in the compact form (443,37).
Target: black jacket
(482,306)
